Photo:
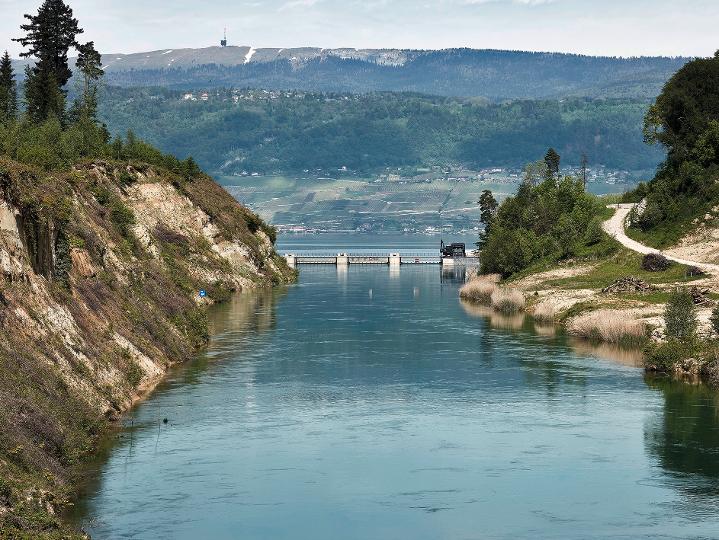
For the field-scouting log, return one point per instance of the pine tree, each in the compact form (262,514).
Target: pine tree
(552,160)
(8,91)
(89,62)
(488,208)
(49,36)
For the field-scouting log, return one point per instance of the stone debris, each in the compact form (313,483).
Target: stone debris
(700,296)
(629,285)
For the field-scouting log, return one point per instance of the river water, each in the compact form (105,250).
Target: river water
(372,404)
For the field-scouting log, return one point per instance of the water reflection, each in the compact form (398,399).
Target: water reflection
(454,274)
(385,405)
(684,438)
(246,315)
(606,351)
(496,319)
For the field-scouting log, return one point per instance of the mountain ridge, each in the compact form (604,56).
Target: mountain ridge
(459,72)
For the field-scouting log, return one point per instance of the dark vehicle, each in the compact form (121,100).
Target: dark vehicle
(453,251)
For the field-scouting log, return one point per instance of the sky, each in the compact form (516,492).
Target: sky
(596,27)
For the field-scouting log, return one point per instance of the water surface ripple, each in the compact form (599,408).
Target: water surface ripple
(371,404)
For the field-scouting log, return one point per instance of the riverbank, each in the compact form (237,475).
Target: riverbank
(320,408)
(106,271)
(614,299)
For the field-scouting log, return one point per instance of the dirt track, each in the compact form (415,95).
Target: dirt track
(614,227)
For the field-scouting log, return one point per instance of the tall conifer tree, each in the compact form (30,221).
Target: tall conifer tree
(49,36)
(8,90)
(89,62)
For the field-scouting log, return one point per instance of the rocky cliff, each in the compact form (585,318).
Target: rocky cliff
(100,273)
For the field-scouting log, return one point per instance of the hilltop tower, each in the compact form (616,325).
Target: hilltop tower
(223,43)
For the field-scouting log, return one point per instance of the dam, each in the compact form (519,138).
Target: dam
(390,259)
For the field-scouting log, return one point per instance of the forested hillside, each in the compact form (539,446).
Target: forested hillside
(453,72)
(262,131)
(685,121)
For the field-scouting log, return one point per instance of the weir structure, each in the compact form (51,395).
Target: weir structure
(390,259)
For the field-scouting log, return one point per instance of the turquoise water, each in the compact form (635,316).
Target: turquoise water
(373,404)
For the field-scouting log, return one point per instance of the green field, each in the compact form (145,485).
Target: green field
(422,203)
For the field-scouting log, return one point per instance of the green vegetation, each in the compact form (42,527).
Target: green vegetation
(681,327)
(8,90)
(621,263)
(548,222)
(680,317)
(296,131)
(685,120)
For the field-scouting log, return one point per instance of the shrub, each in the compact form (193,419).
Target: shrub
(478,290)
(508,300)
(655,262)
(714,320)
(134,373)
(611,326)
(680,316)
(664,356)
(122,217)
(126,179)
(594,233)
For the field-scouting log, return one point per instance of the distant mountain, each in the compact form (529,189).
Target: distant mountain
(452,72)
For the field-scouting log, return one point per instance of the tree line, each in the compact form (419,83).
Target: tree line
(37,126)
(294,131)
(551,218)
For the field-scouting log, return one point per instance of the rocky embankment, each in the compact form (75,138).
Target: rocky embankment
(100,273)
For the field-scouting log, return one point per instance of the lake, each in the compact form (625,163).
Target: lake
(370,403)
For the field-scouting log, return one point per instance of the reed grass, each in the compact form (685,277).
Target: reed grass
(508,301)
(478,290)
(610,326)
(545,312)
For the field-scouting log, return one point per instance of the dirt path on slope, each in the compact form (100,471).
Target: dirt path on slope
(614,227)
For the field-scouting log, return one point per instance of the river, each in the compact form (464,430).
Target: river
(372,404)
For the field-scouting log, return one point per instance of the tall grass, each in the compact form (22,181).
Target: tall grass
(610,326)
(508,300)
(545,312)
(485,290)
(479,290)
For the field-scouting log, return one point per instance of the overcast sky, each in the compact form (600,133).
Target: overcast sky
(608,27)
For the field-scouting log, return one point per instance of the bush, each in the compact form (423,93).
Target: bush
(594,233)
(714,320)
(655,262)
(680,316)
(509,251)
(664,356)
(508,301)
(694,271)
(611,326)
(122,217)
